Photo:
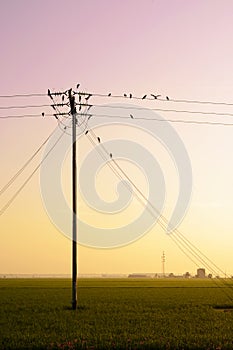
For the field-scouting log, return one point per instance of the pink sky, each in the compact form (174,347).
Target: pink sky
(169,45)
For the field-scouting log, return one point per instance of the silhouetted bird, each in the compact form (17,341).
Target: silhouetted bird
(79,98)
(125,95)
(87,98)
(109,94)
(110,155)
(63,97)
(131,116)
(98,139)
(130,95)
(64,127)
(155,96)
(86,132)
(42,114)
(143,98)
(77,86)
(167,98)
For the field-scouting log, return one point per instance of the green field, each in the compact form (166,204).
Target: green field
(115,314)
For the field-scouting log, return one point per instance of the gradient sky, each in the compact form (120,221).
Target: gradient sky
(177,48)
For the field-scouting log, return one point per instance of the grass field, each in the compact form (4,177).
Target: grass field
(115,314)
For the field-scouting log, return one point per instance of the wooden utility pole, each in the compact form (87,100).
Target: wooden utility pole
(74,202)
(74,115)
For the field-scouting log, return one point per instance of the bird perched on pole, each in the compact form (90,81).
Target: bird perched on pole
(87,98)
(49,94)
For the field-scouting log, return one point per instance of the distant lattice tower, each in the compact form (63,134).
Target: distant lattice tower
(163,264)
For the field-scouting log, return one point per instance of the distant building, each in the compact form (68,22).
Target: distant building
(137,275)
(201,273)
(187,275)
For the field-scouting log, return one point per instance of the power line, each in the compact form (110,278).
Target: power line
(25,116)
(164,120)
(130,96)
(145,97)
(163,110)
(25,106)
(178,240)
(163,99)
(12,180)
(23,95)
(6,206)
(180,121)
(122,117)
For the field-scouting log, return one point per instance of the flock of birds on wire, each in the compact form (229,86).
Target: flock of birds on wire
(87,97)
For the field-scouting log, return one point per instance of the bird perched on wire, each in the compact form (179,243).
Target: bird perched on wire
(87,98)
(109,94)
(167,98)
(131,116)
(125,95)
(98,138)
(143,98)
(155,96)
(77,86)
(42,114)
(86,132)
(110,155)
(130,95)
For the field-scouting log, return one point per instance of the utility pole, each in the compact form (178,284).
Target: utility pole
(163,264)
(74,202)
(73,112)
